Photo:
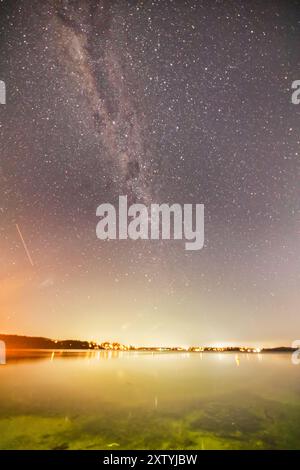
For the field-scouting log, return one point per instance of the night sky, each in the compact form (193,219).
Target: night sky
(162,101)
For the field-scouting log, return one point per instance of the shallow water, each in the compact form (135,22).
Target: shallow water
(104,400)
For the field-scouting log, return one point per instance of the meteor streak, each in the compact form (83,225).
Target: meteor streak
(25,246)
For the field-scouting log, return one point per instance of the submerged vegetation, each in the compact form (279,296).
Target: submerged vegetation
(260,425)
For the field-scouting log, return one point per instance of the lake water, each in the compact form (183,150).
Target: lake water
(118,400)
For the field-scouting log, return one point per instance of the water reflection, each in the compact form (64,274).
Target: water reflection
(92,399)
(16,356)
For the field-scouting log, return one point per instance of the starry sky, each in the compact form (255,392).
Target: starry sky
(162,101)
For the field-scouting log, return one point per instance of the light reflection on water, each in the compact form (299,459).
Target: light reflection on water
(90,399)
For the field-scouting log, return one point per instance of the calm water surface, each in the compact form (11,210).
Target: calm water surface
(101,400)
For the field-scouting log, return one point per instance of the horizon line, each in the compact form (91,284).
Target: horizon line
(92,344)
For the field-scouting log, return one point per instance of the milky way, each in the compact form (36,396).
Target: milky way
(100,72)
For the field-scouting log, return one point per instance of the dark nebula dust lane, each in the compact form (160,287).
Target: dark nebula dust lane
(91,45)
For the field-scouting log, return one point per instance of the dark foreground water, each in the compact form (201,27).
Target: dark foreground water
(103,400)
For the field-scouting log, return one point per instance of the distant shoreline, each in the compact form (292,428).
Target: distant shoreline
(281,350)
(32,343)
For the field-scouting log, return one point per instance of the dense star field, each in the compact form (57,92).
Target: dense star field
(162,101)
